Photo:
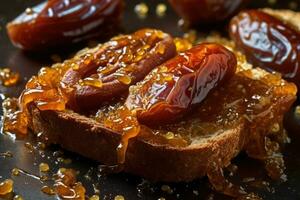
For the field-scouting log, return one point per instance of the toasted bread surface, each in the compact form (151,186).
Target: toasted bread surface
(89,138)
(156,160)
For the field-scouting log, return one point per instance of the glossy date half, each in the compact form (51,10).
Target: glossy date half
(268,42)
(108,72)
(172,89)
(61,22)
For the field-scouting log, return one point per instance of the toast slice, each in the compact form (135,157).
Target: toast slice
(244,114)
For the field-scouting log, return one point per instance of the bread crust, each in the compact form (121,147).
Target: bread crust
(90,139)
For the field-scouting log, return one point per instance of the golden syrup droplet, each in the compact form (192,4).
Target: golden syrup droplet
(163,69)
(91,82)
(44,167)
(75,66)
(29,11)
(15,172)
(182,44)
(18,197)
(94,197)
(124,79)
(119,197)
(168,77)
(6,187)
(48,190)
(141,10)
(8,78)
(161,9)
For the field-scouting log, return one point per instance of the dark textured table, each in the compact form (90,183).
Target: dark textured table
(121,184)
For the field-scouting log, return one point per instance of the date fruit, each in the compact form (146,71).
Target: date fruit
(108,72)
(62,22)
(206,11)
(268,42)
(173,88)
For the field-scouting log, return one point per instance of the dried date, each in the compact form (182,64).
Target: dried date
(61,22)
(206,11)
(268,42)
(117,64)
(173,88)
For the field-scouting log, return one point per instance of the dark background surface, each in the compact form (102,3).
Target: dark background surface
(123,184)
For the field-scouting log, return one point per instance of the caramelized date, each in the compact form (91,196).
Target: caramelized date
(61,22)
(173,88)
(206,11)
(119,63)
(268,42)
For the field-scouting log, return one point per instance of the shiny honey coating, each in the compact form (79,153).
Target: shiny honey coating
(48,91)
(117,64)
(251,94)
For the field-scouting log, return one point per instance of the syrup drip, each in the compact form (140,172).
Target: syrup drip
(123,121)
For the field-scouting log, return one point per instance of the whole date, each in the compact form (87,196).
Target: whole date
(62,22)
(268,42)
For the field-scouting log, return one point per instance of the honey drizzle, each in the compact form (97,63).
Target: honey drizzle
(50,93)
(123,121)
